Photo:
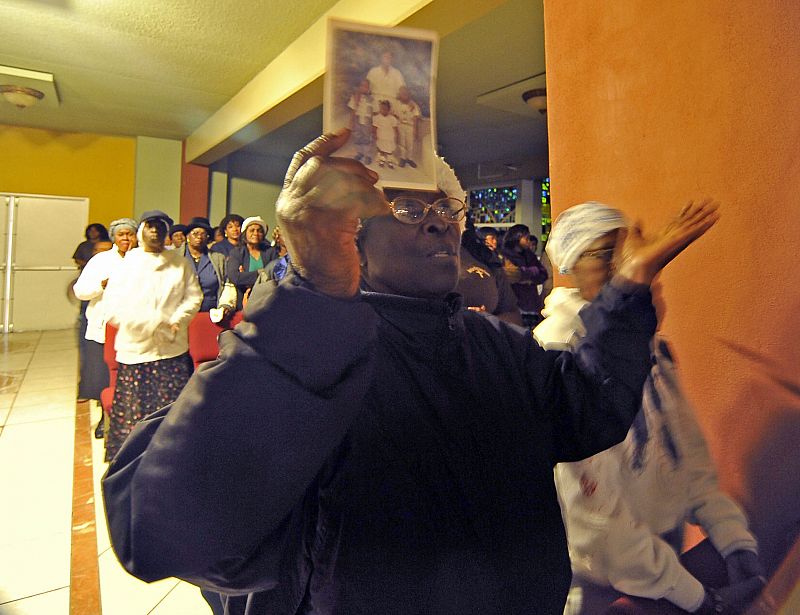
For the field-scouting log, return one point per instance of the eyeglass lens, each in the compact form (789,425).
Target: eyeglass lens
(604,254)
(412,210)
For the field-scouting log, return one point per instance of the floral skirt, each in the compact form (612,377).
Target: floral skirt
(141,389)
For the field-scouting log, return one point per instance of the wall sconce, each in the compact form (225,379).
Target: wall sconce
(20,96)
(536,99)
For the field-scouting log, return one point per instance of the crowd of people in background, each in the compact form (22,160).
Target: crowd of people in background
(521,278)
(173,272)
(500,274)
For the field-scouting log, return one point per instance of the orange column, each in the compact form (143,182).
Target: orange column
(194,189)
(652,104)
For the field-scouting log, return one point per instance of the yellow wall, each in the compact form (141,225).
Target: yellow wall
(99,167)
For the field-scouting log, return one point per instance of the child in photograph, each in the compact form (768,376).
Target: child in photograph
(362,108)
(385,126)
(408,114)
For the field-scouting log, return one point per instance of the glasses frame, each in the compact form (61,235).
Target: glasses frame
(427,207)
(604,254)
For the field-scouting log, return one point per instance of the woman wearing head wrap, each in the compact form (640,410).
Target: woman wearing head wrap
(625,508)
(177,234)
(209,266)
(151,298)
(90,287)
(245,262)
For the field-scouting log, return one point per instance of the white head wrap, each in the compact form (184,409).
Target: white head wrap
(254,220)
(576,228)
(447,181)
(121,223)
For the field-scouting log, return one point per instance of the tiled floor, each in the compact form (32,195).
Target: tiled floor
(38,377)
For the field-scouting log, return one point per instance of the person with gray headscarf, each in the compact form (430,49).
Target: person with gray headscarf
(625,508)
(90,287)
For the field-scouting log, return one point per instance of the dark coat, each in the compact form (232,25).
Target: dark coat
(224,247)
(240,256)
(218,263)
(529,274)
(485,284)
(381,455)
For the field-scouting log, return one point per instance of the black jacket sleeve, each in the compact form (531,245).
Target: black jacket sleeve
(506,299)
(595,392)
(239,448)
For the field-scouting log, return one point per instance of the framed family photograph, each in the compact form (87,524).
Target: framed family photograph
(381,83)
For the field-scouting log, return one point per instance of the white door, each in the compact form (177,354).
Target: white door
(45,232)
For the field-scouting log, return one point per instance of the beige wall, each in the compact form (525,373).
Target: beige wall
(252,198)
(245,197)
(158,176)
(218,197)
(652,104)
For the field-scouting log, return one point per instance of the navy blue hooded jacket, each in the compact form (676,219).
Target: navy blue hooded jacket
(382,455)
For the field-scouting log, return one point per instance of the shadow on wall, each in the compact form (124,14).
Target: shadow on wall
(69,141)
(773,476)
(772,464)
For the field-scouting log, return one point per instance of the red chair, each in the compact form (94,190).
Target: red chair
(203,335)
(110,358)
(237,318)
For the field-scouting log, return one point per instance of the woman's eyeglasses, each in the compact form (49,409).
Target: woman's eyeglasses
(604,254)
(411,210)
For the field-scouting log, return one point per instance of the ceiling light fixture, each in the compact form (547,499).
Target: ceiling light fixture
(536,99)
(20,96)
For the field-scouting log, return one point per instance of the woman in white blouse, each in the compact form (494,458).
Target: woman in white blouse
(90,287)
(151,298)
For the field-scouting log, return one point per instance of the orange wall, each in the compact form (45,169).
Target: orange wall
(652,104)
(70,164)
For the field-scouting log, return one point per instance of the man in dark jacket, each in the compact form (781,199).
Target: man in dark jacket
(386,452)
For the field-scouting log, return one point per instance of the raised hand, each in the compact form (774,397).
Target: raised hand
(640,258)
(319,210)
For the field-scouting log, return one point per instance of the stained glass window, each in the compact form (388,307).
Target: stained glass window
(495,205)
(547,221)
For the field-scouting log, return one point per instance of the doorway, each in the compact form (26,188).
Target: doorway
(39,235)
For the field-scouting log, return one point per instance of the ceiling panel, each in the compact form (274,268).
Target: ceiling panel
(117,63)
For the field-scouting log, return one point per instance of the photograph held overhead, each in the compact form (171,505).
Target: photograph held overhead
(381,83)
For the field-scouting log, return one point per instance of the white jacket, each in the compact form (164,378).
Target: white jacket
(619,505)
(147,294)
(89,288)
